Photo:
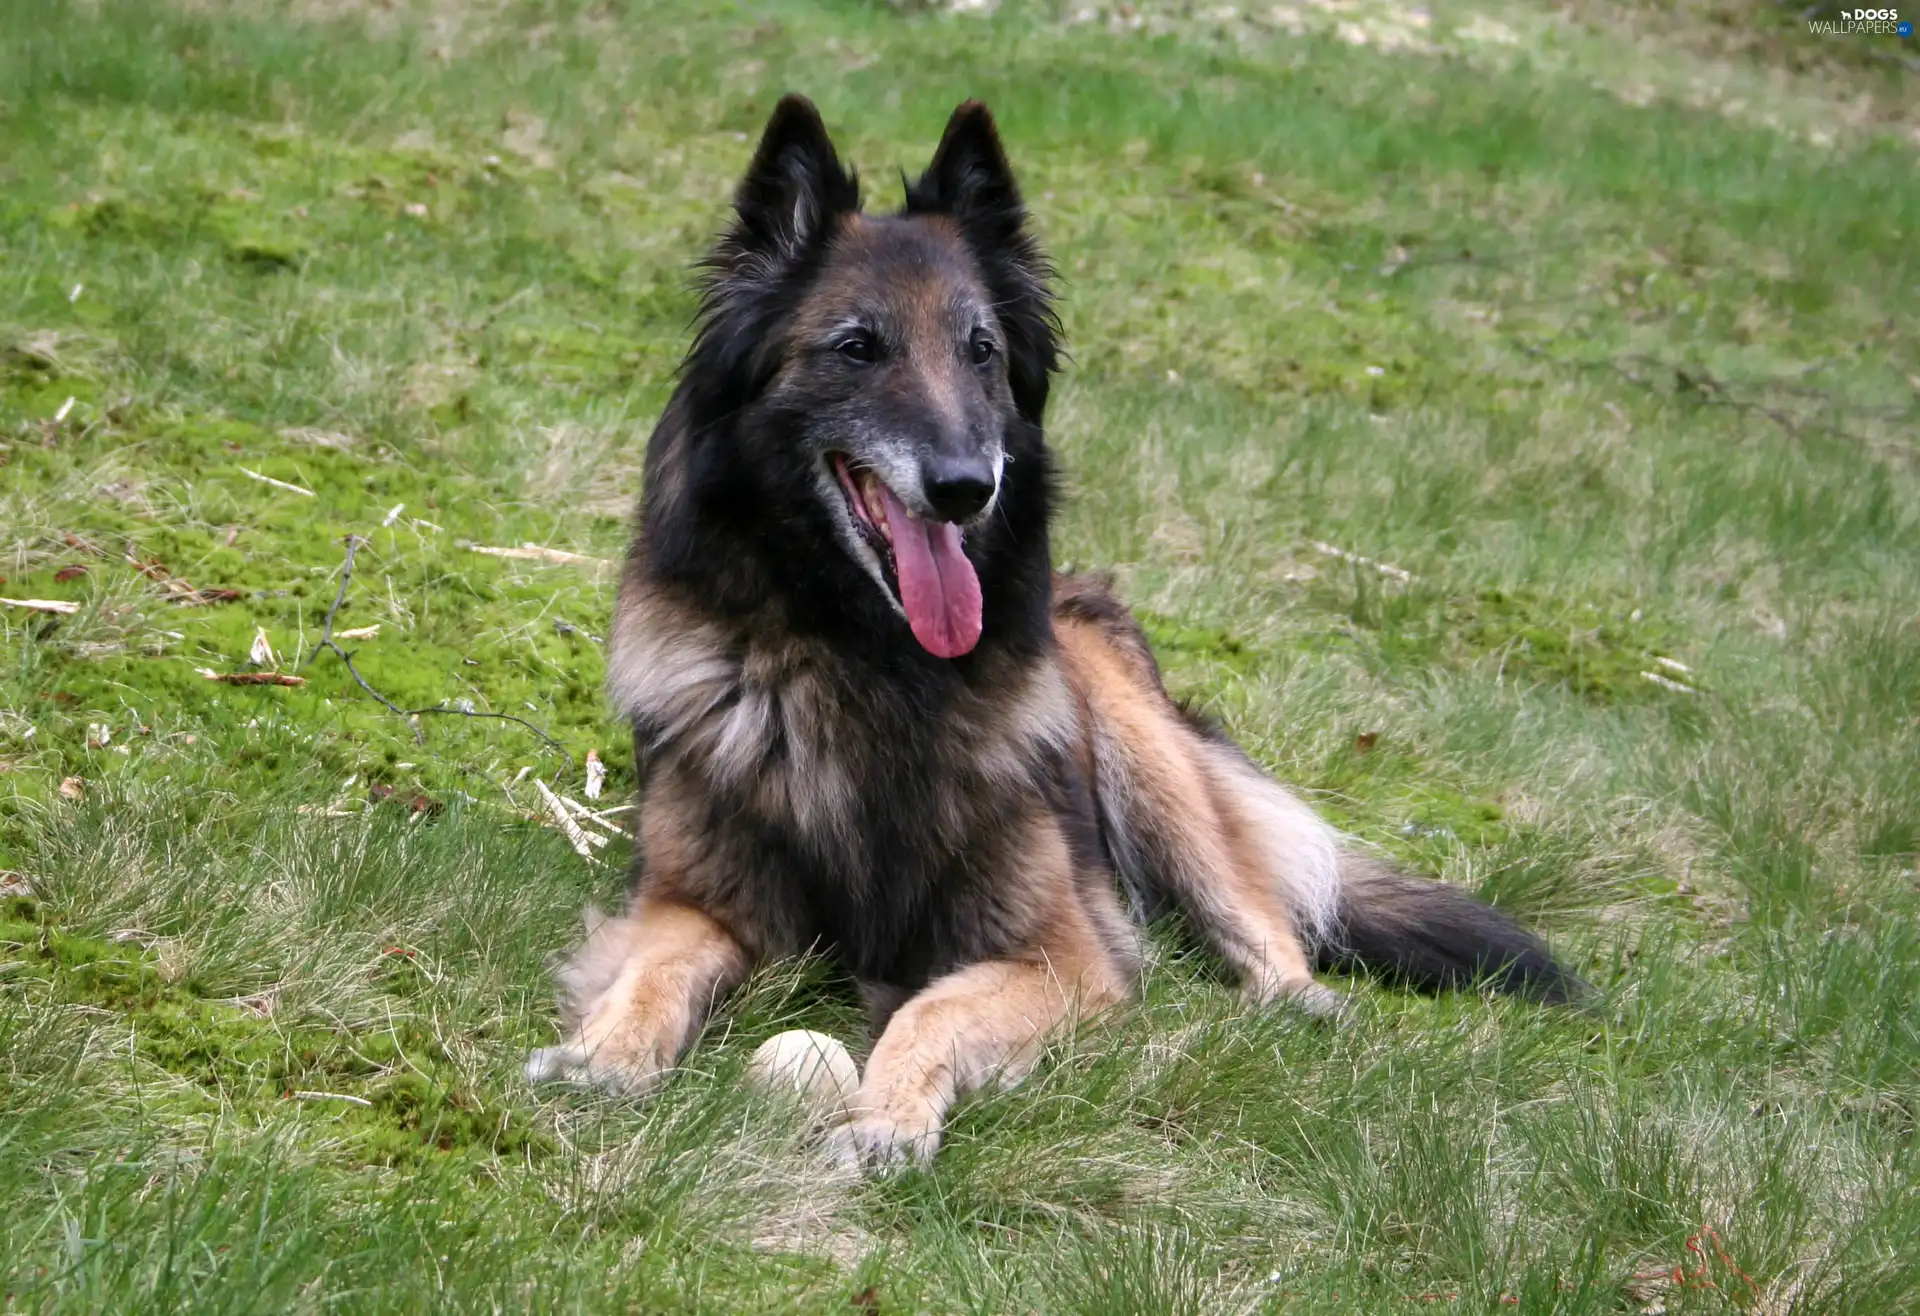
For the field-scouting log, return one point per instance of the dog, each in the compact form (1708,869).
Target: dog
(870,718)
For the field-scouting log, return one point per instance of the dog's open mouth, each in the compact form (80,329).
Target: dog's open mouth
(936,584)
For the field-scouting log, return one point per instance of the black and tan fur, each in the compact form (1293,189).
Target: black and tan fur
(958,830)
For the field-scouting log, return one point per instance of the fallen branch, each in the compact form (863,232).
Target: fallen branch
(43,605)
(411,714)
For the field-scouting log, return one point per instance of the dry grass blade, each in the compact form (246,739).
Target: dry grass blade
(278,484)
(1386,569)
(535,553)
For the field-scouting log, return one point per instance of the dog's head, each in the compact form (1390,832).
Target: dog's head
(892,367)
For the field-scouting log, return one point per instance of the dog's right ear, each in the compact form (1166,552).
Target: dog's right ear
(793,191)
(784,211)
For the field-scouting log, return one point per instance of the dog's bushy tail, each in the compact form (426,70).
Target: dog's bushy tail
(1431,936)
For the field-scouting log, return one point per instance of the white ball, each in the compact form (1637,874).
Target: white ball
(810,1067)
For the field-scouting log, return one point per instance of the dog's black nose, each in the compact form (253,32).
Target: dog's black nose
(958,487)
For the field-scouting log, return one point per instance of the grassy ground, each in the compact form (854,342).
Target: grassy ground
(1599,325)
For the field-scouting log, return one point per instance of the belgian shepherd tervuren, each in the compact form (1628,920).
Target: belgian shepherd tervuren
(870,718)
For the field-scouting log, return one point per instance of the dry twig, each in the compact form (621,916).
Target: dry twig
(251,678)
(328,643)
(581,841)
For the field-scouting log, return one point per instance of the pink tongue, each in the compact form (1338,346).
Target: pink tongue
(938,586)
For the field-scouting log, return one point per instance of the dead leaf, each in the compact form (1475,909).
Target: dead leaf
(420,804)
(73,788)
(596,774)
(260,1004)
(261,654)
(63,606)
(1366,740)
(358,632)
(65,574)
(176,588)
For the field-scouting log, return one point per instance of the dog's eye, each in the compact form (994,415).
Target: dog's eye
(983,349)
(857,347)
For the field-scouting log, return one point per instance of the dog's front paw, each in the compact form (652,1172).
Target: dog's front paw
(556,1064)
(1316,1000)
(1319,1001)
(605,1067)
(879,1144)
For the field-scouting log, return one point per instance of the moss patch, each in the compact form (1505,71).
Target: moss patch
(1605,650)
(385,1094)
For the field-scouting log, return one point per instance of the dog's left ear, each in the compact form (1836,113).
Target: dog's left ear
(971,183)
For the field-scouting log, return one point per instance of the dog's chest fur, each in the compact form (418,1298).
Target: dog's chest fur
(843,802)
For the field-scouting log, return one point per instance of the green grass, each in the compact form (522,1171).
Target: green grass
(1606,338)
